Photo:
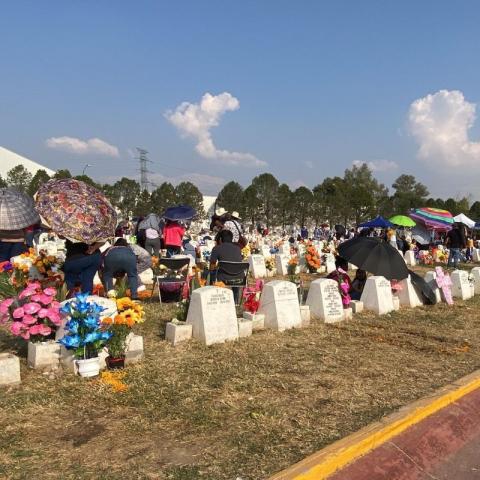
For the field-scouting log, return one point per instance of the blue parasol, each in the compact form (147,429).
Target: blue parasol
(180,212)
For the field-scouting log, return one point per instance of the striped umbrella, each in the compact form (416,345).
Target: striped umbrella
(433,218)
(17,210)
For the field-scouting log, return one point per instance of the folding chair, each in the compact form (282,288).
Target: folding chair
(238,273)
(176,271)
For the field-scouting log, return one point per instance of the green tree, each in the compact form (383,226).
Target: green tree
(124,194)
(408,194)
(266,188)
(144,204)
(302,200)
(3,183)
(86,179)
(162,197)
(38,180)
(59,174)
(364,195)
(251,204)
(329,201)
(19,177)
(284,206)
(462,206)
(474,211)
(188,194)
(450,205)
(230,197)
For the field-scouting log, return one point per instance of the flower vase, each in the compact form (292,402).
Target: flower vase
(115,363)
(89,367)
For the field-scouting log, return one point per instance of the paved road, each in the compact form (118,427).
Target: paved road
(444,446)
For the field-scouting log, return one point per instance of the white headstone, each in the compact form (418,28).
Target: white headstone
(284,248)
(461,285)
(257,266)
(281,262)
(279,304)
(9,370)
(410,258)
(176,333)
(325,301)
(476,255)
(330,263)
(475,273)
(377,295)
(431,279)
(408,294)
(212,315)
(266,251)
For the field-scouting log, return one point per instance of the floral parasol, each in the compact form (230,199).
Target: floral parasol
(75,210)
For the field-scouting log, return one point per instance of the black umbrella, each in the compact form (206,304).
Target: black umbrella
(374,256)
(426,291)
(340,229)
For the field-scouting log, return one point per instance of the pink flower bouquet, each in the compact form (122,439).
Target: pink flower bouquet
(34,313)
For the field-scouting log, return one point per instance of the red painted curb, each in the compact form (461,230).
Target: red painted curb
(446,445)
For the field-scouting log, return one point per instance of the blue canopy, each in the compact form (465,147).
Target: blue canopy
(180,212)
(378,222)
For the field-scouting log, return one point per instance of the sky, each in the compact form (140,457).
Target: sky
(225,90)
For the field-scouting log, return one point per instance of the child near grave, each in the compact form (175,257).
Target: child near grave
(358,283)
(469,251)
(341,277)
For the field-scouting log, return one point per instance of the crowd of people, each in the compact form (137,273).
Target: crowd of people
(156,237)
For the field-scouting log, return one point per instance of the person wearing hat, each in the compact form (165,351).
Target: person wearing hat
(218,219)
(233,225)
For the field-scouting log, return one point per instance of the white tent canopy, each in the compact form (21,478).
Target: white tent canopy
(462,218)
(9,160)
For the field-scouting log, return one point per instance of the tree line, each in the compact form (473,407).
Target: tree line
(353,198)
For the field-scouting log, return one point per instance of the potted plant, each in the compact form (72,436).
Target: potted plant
(85,334)
(120,326)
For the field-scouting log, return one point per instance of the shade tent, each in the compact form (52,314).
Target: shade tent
(462,218)
(378,222)
(433,218)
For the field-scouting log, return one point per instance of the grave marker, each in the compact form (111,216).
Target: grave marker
(377,295)
(212,315)
(325,301)
(279,304)
(257,266)
(408,295)
(461,287)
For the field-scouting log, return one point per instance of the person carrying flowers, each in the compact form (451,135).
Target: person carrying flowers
(341,277)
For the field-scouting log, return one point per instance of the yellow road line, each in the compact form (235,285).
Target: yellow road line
(324,463)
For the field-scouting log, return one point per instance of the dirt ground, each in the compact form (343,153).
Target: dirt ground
(244,409)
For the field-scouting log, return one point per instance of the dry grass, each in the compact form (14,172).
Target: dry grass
(246,409)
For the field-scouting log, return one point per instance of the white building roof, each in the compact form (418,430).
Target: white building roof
(9,159)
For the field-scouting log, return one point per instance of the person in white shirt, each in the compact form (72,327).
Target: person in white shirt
(151,225)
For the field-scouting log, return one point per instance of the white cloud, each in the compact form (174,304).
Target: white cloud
(440,123)
(94,146)
(377,165)
(197,119)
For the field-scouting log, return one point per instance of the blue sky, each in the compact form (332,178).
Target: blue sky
(319,84)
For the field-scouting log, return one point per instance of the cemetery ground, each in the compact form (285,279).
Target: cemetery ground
(241,409)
